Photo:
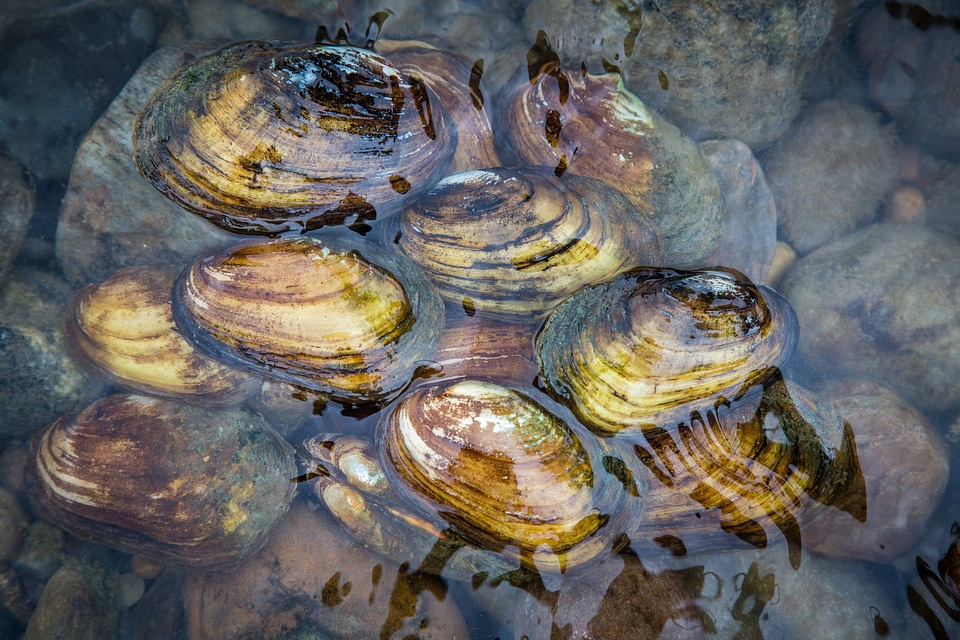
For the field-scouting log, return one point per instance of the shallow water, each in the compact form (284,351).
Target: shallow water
(697,576)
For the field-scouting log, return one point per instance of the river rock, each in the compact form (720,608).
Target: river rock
(830,173)
(111,216)
(905,469)
(74,605)
(749,238)
(39,380)
(17,204)
(758,594)
(620,599)
(59,68)
(311,581)
(715,69)
(910,51)
(882,304)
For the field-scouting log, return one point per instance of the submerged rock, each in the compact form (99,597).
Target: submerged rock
(830,173)
(881,304)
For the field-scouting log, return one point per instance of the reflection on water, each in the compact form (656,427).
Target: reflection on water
(769,509)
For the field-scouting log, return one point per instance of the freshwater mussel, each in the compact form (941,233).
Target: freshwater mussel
(265,137)
(590,125)
(659,416)
(191,486)
(485,464)
(348,320)
(624,352)
(511,243)
(123,330)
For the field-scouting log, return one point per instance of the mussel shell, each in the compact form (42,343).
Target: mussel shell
(623,353)
(592,126)
(351,482)
(506,473)
(514,242)
(123,330)
(487,349)
(458,86)
(191,486)
(265,137)
(336,316)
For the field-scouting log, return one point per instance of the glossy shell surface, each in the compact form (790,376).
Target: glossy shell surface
(266,137)
(754,467)
(622,353)
(342,318)
(190,486)
(123,330)
(592,126)
(458,86)
(512,243)
(505,472)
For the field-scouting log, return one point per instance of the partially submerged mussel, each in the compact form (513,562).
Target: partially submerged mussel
(513,242)
(624,353)
(345,319)
(266,137)
(592,126)
(473,478)
(486,464)
(123,330)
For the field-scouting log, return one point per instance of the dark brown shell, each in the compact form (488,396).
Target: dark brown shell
(266,137)
(190,486)
(592,126)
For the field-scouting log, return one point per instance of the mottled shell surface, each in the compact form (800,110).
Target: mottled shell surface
(513,242)
(592,126)
(336,316)
(266,137)
(506,472)
(623,353)
(123,330)
(190,486)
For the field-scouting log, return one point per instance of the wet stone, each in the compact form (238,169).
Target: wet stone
(909,50)
(311,580)
(830,173)
(83,54)
(39,381)
(17,204)
(749,237)
(881,304)
(716,70)
(758,594)
(905,468)
(74,604)
(111,216)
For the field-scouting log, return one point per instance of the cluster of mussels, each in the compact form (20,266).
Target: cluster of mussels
(548,392)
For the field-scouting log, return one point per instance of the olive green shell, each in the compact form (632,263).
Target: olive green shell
(623,353)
